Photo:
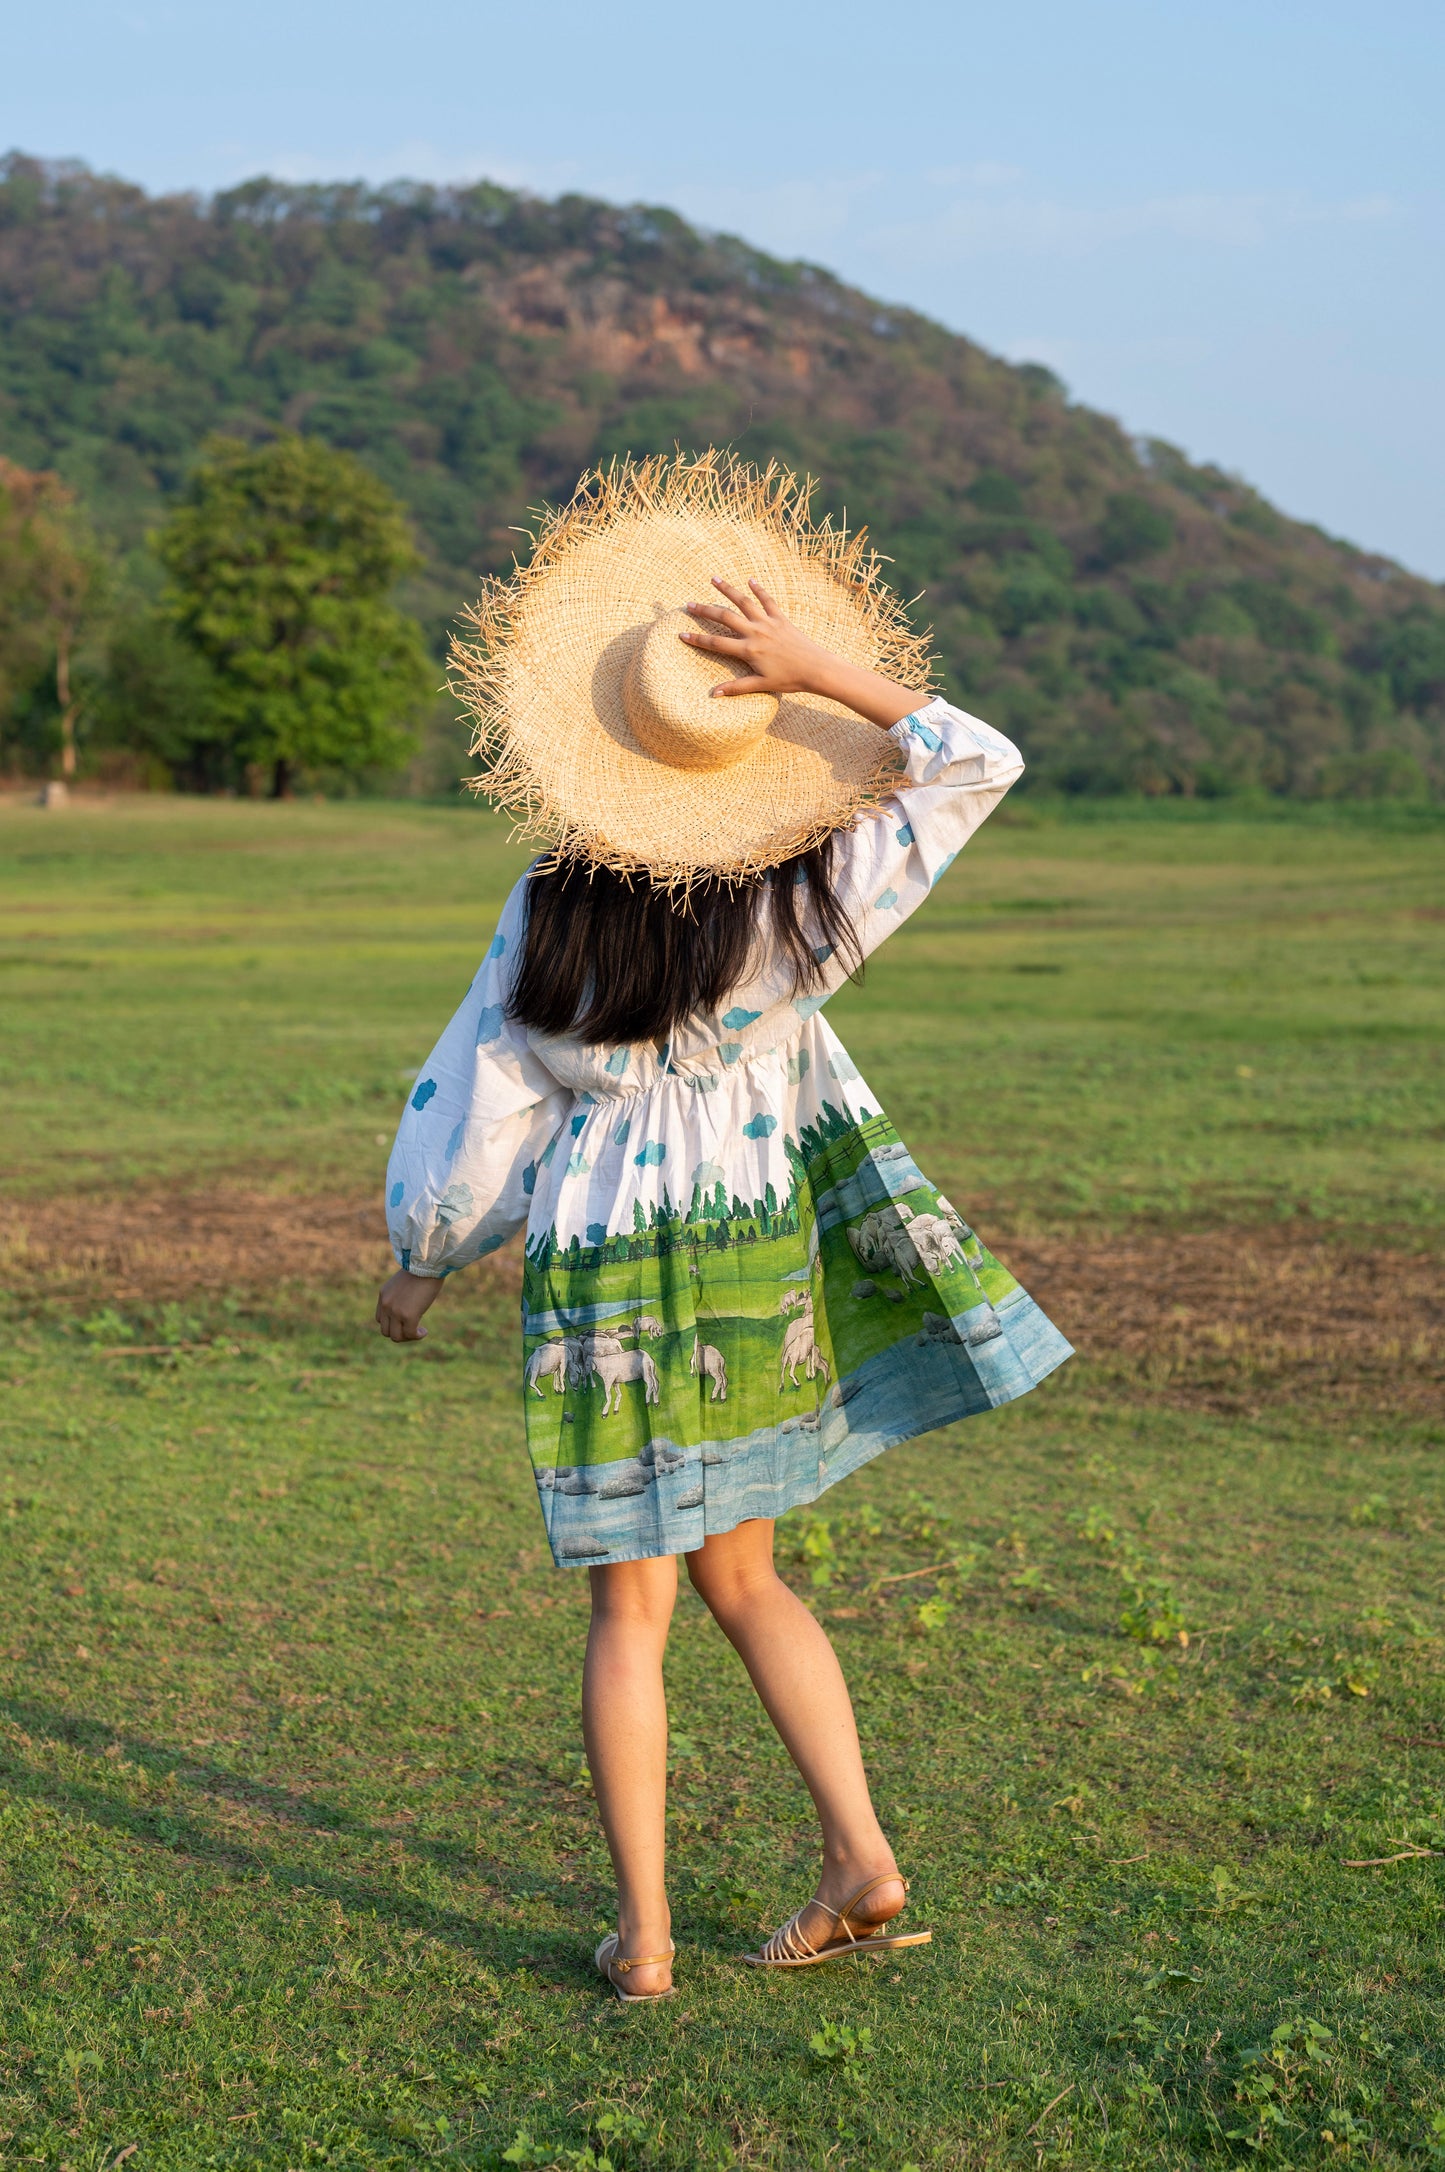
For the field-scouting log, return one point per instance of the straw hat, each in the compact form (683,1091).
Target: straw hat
(594,724)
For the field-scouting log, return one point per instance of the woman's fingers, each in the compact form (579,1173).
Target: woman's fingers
(740,598)
(720,644)
(755,683)
(720,616)
(765,599)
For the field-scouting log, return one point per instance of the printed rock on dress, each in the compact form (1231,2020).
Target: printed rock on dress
(739,1286)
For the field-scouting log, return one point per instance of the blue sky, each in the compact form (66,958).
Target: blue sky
(1224,224)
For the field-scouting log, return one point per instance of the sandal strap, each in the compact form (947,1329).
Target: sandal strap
(641,1960)
(840,1915)
(788,1943)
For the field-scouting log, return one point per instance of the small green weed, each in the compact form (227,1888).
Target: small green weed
(836,2040)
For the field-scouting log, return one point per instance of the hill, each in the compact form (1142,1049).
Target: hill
(1137,621)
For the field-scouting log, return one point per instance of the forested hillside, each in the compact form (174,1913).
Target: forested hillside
(1137,622)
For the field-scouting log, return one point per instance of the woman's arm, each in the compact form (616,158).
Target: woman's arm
(781,660)
(483,1113)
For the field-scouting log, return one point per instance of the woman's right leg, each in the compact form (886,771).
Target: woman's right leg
(796,1673)
(624,1725)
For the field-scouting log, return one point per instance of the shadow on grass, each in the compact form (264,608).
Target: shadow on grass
(177,1833)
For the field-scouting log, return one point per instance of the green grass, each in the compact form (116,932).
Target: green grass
(1095,1020)
(299,1862)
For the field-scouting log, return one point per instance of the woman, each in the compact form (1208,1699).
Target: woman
(739,1286)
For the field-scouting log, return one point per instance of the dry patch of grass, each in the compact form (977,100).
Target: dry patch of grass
(1222,1316)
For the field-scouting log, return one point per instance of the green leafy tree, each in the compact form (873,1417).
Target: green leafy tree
(281,561)
(1133,527)
(163,697)
(49,572)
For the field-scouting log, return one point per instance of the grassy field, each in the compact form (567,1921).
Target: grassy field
(300,1866)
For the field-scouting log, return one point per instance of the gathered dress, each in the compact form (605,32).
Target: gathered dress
(738,1285)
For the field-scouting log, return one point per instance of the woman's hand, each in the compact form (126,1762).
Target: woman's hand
(781,660)
(401,1304)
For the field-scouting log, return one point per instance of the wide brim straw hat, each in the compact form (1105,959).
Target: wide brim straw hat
(594,724)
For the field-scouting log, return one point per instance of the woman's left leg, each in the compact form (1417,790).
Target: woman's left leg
(624,1725)
(795,1671)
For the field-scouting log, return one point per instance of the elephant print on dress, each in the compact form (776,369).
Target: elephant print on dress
(710,1364)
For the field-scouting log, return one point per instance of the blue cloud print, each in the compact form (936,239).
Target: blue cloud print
(396,1195)
(905,835)
(499,944)
(597,1233)
(489,1023)
(761,1126)
(653,1153)
(926,733)
(737,1017)
(884,900)
(707,1173)
(424,1093)
(806,1005)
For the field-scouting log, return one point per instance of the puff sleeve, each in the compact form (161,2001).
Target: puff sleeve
(956,769)
(483,1113)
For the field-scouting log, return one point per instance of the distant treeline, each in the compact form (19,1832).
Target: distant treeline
(1138,623)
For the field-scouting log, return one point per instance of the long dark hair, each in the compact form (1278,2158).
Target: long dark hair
(612,960)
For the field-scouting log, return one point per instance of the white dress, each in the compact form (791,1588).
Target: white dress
(738,1286)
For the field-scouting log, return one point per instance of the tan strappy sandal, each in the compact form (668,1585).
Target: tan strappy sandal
(787,1948)
(608,1958)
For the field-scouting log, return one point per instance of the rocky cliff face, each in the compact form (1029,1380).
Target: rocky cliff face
(1137,621)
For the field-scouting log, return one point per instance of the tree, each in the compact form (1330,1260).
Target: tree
(48,569)
(163,697)
(1133,527)
(281,560)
